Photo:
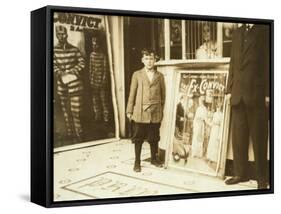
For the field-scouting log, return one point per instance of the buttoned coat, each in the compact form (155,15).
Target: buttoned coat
(249,66)
(146,99)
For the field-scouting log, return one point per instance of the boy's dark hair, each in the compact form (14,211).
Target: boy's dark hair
(149,51)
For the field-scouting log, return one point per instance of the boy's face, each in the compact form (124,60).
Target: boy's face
(148,61)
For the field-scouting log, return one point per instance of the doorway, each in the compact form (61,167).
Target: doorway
(138,34)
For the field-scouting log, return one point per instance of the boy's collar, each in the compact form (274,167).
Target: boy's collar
(152,70)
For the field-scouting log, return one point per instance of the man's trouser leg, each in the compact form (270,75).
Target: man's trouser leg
(240,139)
(104,95)
(76,107)
(64,101)
(259,133)
(96,103)
(75,93)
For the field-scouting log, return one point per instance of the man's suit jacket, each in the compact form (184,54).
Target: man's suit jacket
(249,66)
(146,99)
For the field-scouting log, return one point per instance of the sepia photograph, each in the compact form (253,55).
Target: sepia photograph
(148,106)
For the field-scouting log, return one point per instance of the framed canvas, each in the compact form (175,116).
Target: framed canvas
(131,106)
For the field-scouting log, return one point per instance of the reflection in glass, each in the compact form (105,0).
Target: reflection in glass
(228,29)
(201,40)
(159,37)
(175,39)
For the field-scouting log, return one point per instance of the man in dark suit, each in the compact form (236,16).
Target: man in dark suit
(145,107)
(248,91)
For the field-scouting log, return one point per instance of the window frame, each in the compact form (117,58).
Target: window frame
(167,46)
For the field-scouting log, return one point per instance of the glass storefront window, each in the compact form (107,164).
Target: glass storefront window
(228,29)
(187,39)
(175,39)
(201,40)
(159,38)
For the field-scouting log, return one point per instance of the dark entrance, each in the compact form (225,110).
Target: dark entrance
(138,34)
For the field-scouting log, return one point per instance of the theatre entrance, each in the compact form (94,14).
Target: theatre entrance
(139,33)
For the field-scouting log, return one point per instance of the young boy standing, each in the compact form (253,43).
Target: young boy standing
(145,107)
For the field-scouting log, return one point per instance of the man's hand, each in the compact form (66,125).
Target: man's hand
(267,100)
(129,116)
(228,96)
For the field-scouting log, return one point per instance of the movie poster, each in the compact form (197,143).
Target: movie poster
(83,99)
(198,139)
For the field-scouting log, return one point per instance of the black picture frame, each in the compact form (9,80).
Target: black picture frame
(42,106)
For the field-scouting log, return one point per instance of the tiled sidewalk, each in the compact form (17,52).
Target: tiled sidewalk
(106,171)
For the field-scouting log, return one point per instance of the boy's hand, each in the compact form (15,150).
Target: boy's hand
(129,116)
